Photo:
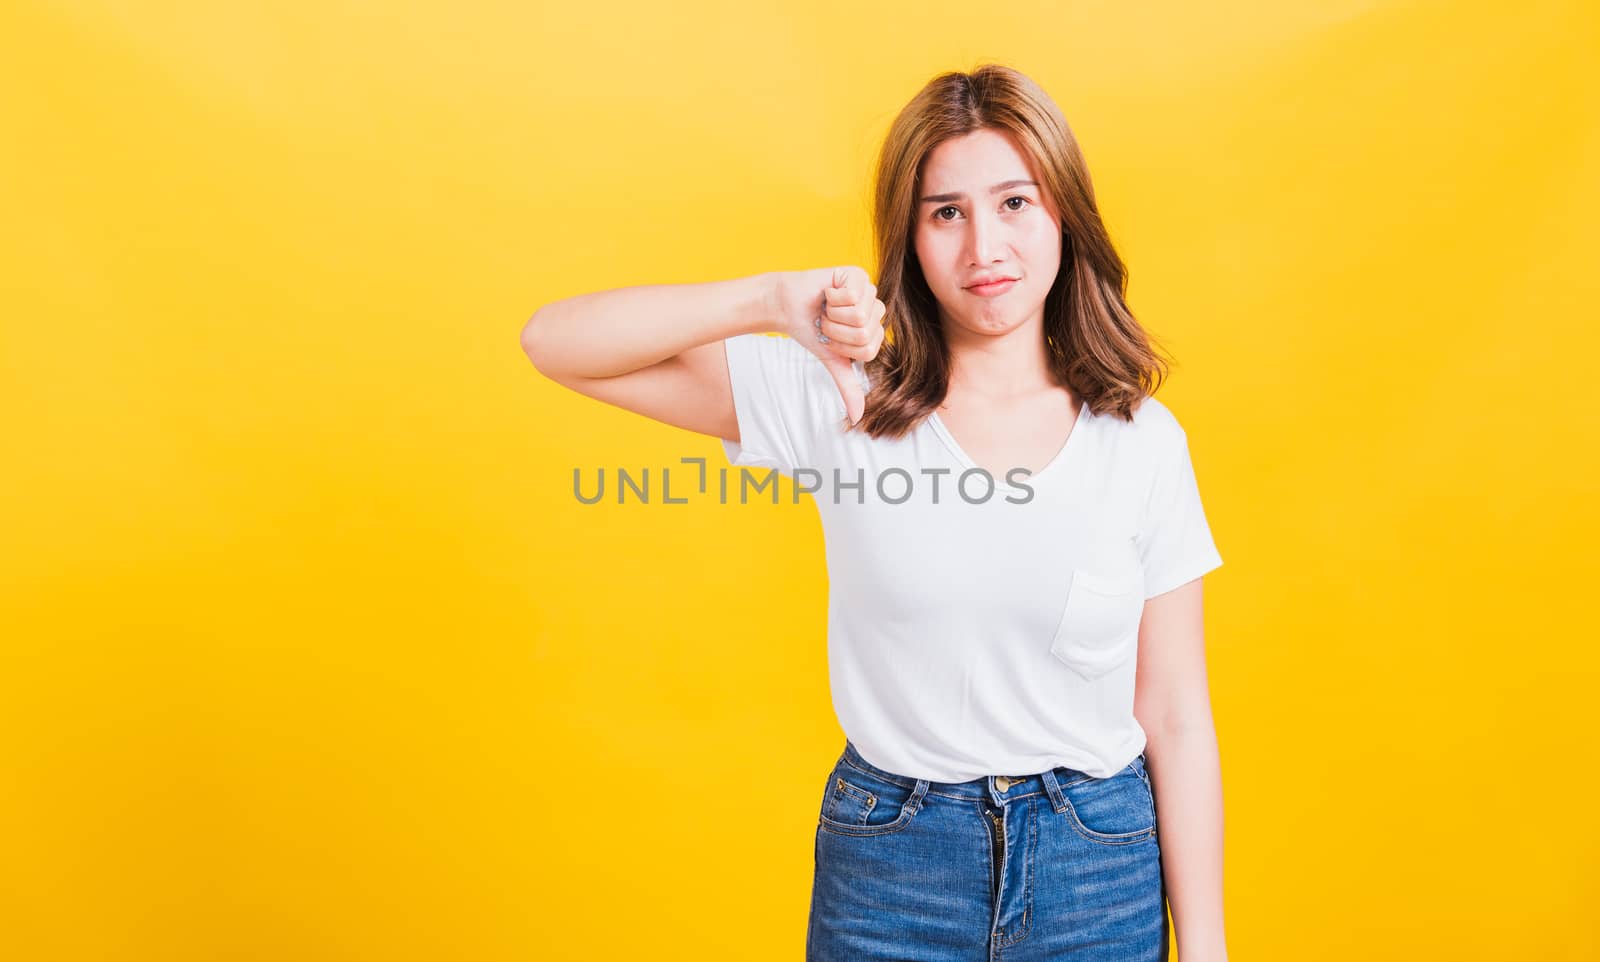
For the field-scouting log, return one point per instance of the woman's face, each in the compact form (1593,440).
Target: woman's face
(982,214)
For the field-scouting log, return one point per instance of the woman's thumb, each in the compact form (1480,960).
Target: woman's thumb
(843,371)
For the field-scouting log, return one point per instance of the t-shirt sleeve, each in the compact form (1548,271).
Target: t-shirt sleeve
(1174,542)
(781,396)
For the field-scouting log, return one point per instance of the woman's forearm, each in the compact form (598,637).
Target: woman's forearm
(611,332)
(1186,773)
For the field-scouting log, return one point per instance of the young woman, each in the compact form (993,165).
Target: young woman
(1014,538)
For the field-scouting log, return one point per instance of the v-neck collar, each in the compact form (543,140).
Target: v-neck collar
(1000,481)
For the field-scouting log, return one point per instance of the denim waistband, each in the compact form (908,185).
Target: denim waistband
(987,786)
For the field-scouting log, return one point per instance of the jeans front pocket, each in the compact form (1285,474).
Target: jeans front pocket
(861,803)
(1115,810)
(1099,625)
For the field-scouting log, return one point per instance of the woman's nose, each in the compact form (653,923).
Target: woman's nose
(982,238)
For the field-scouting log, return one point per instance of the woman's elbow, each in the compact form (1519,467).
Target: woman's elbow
(532,339)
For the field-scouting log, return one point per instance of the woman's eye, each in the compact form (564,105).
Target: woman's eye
(938,214)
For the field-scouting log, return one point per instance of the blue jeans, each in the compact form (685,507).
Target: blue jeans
(1053,865)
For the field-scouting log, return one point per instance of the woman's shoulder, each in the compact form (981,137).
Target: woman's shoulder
(801,379)
(1153,429)
(1153,417)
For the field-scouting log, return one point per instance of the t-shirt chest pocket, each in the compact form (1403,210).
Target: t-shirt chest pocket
(1099,626)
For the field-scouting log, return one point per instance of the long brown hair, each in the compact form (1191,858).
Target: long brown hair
(1095,345)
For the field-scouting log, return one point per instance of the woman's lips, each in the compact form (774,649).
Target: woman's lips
(990,290)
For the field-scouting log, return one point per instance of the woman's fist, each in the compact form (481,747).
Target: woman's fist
(836,314)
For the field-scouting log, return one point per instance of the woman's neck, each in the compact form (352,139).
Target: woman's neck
(1002,367)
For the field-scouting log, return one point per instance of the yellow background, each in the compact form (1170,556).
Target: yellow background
(310,653)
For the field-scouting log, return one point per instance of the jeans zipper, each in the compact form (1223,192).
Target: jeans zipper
(999,836)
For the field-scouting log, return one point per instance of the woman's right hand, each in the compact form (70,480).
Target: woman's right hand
(846,301)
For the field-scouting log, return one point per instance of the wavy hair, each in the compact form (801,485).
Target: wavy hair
(1094,344)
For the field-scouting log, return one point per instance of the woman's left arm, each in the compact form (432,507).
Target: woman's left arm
(1172,702)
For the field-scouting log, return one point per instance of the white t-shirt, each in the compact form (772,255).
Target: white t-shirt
(974,629)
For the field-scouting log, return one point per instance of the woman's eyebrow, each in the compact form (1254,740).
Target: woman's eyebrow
(997,188)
